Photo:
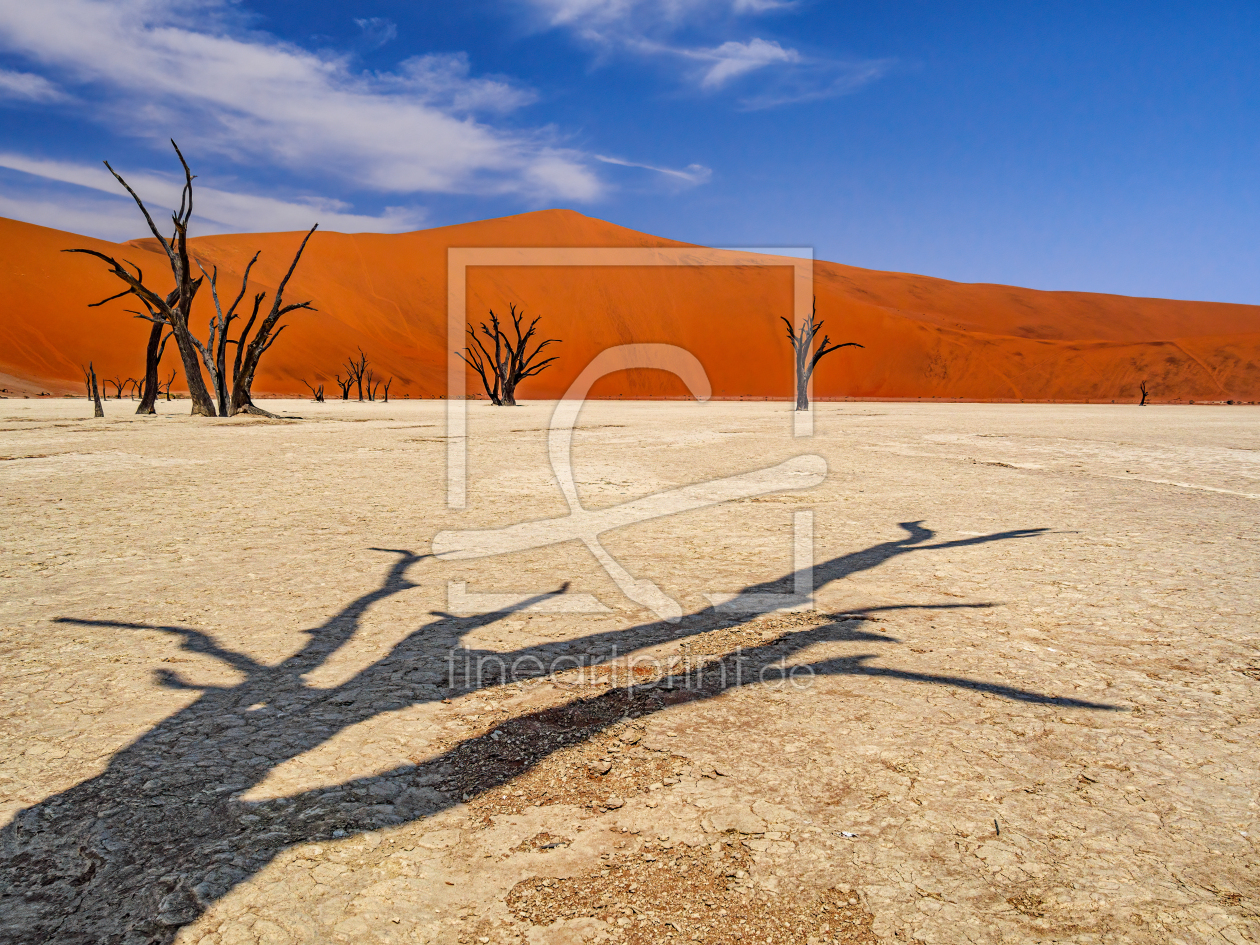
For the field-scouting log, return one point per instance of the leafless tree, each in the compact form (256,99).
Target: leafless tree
(807,357)
(344,385)
(94,394)
(153,351)
(356,369)
(174,315)
(1142,388)
(166,388)
(118,383)
(511,362)
(248,354)
(152,386)
(387,383)
(174,311)
(316,392)
(133,386)
(367,380)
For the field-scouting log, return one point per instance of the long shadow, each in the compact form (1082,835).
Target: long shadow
(131,855)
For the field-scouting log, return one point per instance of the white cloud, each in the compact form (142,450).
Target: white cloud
(216,210)
(180,65)
(692,174)
(443,81)
(27,85)
(735,59)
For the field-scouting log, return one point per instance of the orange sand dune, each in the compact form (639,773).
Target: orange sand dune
(924,337)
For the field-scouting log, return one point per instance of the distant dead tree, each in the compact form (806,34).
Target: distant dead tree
(94,394)
(511,361)
(371,391)
(807,357)
(316,392)
(356,370)
(133,386)
(1142,388)
(118,383)
(387,383)
(173,312)
(166,388)
(344,385)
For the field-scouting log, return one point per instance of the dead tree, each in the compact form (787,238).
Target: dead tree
(367,379)
(152,386)
(176,314)
(1142,388)
(357,370)
(511,361)
(94,394)
(166,388)
(118,383)
(175,310)
(214,352)
(153,351)
(807,357)
(387,383)
(133,386)
(249,353)
(316,392)
(344,385)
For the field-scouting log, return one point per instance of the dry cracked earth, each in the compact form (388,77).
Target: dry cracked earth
(241,701)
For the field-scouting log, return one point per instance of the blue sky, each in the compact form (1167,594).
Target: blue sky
(1107,147)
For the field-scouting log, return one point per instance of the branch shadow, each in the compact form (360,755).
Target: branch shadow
(135,853)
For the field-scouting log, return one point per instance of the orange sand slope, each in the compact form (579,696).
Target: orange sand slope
(924,337)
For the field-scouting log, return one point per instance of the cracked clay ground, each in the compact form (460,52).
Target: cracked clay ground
(233,706)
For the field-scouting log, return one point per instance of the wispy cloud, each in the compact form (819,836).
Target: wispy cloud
(150,67)
(815,81)
(217,210)
(733,59)
(650,29)
(28,86)
(646,15)
(691,174)
(377,31)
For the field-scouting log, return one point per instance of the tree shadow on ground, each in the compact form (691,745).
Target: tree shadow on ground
(140,850)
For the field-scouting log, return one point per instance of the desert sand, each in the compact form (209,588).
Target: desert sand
(924,337)
(1030,713)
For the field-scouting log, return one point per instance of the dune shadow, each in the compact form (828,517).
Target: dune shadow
(145,847)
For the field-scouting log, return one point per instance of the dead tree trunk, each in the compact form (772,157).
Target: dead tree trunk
(316,392)
(94,394)
(1142,388)
(387,383)
(806,357)
(166,388)
(344,385)
(118,386)
(148,396)
(175,315)
(152,359)
(511,361)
